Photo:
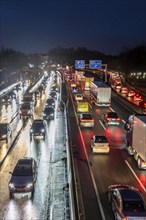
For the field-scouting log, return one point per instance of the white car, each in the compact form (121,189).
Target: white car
(99,144)
(78,97)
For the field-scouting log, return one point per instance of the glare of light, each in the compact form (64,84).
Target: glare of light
(12,210)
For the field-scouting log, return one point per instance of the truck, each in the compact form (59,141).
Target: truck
(82,106)
(100,93)
(29,97)
(88,81)
(136,139)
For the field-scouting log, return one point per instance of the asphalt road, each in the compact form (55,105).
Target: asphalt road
(97,172)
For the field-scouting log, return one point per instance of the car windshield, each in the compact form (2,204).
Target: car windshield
(49,110)
(22,170)
(133,206)
(100,139)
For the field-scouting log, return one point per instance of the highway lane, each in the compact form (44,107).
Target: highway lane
(107,169)
(51,176)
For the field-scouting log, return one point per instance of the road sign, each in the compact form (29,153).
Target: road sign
(79,64)
(95,64)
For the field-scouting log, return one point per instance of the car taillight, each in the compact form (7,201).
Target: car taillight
(118,119)
(108,119)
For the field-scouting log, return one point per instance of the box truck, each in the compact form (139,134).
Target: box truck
(136,139)
(100,93)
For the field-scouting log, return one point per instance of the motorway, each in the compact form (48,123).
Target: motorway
(50,198)
(95,172)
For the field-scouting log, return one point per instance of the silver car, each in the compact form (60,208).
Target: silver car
(23,177)
(126,202)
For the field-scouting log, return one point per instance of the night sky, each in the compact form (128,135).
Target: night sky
(108,26)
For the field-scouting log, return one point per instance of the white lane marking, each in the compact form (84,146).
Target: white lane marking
(112,109)
(135,175)
(102,124)
(123,121)
(89,165)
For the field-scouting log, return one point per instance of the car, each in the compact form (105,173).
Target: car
(124,90)
(48,113)
(53,95)
(126,202)
(54,88)
(6,100)
(78,97)
(13,95)
(38,129)
(131,93)
(118,86)
(26,110)
(142,105)
(37,95)
(50,102)
(5,132)
(86,120)
(137,97)
(111,118)
(99,144)
(23,177)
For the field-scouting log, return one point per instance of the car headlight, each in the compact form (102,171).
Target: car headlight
(52,114)
(43,130)
(31,130)
(44,114)
(3,136)
(11,185)
(29,185)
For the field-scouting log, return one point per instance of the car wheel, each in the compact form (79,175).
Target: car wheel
(6,139)
(30,138)
(44,137)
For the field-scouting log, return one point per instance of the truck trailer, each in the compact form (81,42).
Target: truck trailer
(100,93)
(136,139)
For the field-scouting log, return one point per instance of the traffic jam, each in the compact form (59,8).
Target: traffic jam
(33,151)
(33,139)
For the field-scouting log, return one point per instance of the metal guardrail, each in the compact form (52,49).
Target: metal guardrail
(7,89)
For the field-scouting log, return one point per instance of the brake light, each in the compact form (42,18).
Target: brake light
(118,119)
(108,119)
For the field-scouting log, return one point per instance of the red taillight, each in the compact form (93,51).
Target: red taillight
(108,119)
(118,119)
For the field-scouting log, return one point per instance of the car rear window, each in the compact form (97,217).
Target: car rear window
(86,116)
(133,206)
(112,115)
(100,139)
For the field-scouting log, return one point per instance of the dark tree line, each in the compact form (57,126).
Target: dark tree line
(128,61)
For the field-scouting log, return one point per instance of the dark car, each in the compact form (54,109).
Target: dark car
(26,110)
(6,100)
(126,202)
(5,131)
(55,88)
(53,95)
(38,129)
(12,94)
(50,103)
(111,118)
(48,113)
(23,177)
